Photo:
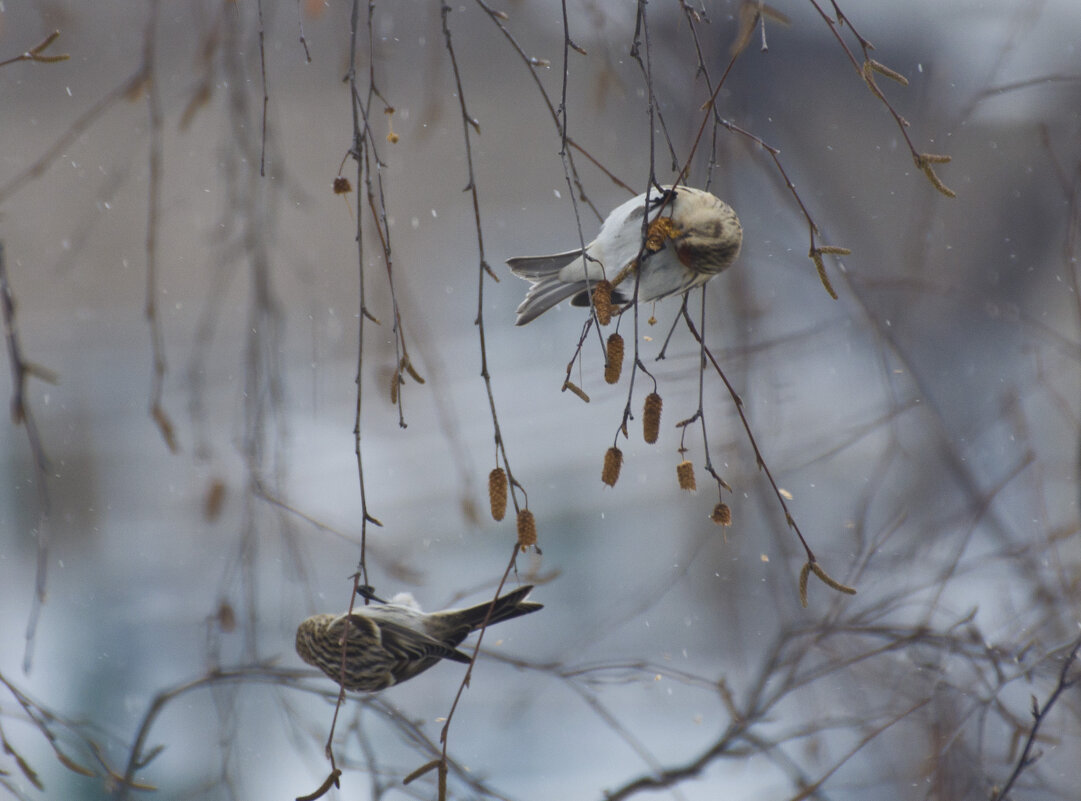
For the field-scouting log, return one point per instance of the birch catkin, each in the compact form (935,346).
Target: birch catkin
(497,493)
(613,461)
(614,367)
(685,474)
(651,418)
(602,301)
(527,529)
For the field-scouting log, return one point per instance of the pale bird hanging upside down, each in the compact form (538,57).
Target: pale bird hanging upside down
(692,236)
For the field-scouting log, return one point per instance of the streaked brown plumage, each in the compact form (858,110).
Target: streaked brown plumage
(387,644)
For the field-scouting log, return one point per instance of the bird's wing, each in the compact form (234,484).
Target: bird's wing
(362,646)
(363,634)
(406,645)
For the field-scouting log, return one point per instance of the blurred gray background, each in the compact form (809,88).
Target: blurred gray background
(924,425)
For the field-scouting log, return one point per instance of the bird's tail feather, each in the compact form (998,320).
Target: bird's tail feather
(547,289)
(537,267)
(545,294)
(508,606)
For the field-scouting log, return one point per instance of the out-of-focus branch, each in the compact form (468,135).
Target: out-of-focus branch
(21,412)
(38,53)
(1039,715)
